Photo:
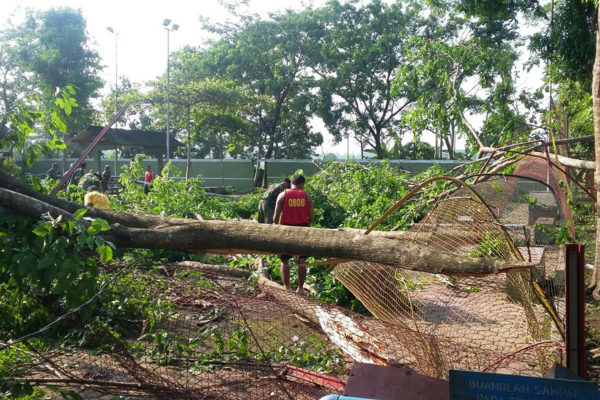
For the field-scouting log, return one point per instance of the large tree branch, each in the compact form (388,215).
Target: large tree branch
(472,131)
(191,235)
(394,113)
(127,219)
(568,162)
(470,127)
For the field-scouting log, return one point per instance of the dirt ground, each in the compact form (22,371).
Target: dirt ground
(586,234)
(593,337)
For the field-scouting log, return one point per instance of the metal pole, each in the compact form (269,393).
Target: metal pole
(221,161)
(168,97)
(575,309)
(116,98)
(348,146)
(188,167)
(116,74)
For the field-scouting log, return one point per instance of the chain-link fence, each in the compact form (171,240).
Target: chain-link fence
(219,336)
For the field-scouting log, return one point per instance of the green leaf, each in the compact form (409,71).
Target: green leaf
(105,253)
(27,389)
(43,229)
(67,107)
(79,213)
(58,144)
(68,226)
(98,225)
(102,223)
(45,262)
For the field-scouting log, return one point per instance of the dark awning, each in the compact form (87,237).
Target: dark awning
(151,142)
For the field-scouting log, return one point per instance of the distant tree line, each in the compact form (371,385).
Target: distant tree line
(371,72)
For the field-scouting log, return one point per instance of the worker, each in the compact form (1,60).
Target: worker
(148,179)
(93,198)
(53,172)
(77,175)
(294,207)
(90,178)
(266,207)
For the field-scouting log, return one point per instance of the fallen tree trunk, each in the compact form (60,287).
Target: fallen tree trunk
(193,235)
(123,218)
(569,162)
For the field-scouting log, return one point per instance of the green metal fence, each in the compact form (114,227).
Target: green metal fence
(239,174)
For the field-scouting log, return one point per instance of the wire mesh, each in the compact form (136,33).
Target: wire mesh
(229,338)
(223,339)
(232,339)
(506,217)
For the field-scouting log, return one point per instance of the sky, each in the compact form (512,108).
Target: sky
(142,40)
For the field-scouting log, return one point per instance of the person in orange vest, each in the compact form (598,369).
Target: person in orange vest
(294,207)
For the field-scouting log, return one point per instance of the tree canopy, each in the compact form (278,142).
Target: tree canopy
(386,75)
(53,46)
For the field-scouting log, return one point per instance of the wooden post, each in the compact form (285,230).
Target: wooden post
(161,165)
(98,157)
(116,172)
(265,178)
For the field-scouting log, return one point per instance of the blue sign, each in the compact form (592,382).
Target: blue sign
(469,385)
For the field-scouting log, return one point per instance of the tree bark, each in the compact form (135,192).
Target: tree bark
(569,162)
(127,219)
(596,108)
(192,235)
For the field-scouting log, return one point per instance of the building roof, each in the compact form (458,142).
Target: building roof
(150,141)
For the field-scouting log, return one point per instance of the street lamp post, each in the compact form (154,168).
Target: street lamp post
(111,30)
(188,167)
(169,28)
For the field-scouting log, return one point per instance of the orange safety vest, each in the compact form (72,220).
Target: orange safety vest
(295,208)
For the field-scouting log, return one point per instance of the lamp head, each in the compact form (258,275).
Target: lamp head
(166,21)
(110,29)
(175,27)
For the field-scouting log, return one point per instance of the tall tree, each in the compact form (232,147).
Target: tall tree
(53,45)
(267,58)
(28,117)
(137,115)
(570,45)
(566,41)
(355,53)
(220,111)
(462,64)
(15,84)
(566,45)
(213,114)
